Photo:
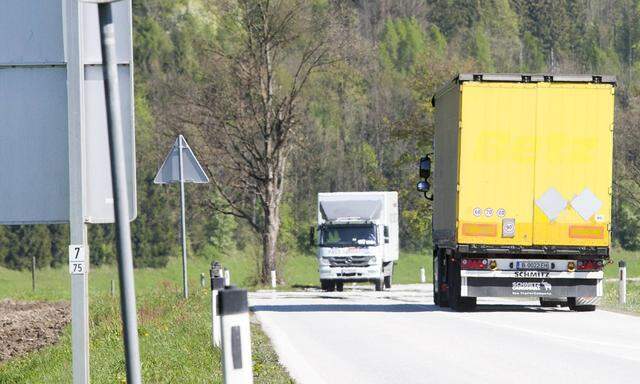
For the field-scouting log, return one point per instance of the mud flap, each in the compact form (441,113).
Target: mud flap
(515,287)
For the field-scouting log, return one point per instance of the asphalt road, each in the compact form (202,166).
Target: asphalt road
(399,336)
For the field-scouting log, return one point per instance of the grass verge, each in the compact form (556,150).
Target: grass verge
(175,344)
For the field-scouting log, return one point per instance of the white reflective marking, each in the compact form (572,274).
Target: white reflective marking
(586,204)
(551,203)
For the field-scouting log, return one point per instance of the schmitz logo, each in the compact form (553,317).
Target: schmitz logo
(530,288)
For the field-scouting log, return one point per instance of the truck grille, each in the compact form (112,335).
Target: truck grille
(349,261)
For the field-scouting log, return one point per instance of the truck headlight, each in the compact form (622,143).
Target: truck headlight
(372,260)
(324,261)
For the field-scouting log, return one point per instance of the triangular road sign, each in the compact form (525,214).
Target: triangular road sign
(192,172)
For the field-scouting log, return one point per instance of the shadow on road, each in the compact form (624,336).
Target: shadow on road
(391,308)
(515,308)
(346,308)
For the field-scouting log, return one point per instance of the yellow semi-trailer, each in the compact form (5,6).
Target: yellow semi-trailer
(522,188)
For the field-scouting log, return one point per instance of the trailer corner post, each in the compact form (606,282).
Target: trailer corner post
(233,307)
(423,276)
(622,284)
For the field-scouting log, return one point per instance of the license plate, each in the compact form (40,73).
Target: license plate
(539,265)
(349,270)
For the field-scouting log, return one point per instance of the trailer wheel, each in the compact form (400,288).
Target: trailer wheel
(548,304)
(379,285)
(339,286)
(436,294)
(439,298)
(456,301)
(571,301)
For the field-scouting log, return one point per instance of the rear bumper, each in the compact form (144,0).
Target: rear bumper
(354,274)
(531,284)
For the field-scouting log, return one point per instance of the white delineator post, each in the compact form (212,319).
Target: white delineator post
(227,277)
(233,307)
(217,284)
(273,279)
(622,284)
(423,276)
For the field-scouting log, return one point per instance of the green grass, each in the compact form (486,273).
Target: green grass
(631,258)
(174,333)
(610,299)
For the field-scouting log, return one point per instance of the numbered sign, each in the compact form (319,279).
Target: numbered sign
(77,263)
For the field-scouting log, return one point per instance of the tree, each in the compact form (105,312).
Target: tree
(244,105)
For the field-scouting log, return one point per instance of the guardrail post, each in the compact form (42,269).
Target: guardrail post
(622,284)
(423,276)
(217,284)
(233,307)
(227,277)
(273,279)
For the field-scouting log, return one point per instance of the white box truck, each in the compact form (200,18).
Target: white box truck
(357,238)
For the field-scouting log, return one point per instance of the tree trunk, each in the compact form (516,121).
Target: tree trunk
(270,232)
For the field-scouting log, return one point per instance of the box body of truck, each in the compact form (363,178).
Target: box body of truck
(358,238)
(522,187)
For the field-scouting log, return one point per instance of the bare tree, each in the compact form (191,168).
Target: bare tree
(243,105)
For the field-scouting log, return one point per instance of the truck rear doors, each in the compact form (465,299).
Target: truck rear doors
(535,163)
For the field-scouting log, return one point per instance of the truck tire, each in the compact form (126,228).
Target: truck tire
(439,297)
(387,281)
(327,285)
(379,285)
(571,301)
(339,286)
(456,301)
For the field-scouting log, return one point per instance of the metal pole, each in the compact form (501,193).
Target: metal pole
(120,197)
(622,284)
(77,227)
(33,273)
(185,284)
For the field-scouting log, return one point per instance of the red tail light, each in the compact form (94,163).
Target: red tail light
(475,264)
(589,265)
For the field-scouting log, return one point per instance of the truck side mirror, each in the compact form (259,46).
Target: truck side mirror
(425,167)
(312,236)
(423,186)
(386,234)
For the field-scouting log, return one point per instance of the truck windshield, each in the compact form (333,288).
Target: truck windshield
(348,235)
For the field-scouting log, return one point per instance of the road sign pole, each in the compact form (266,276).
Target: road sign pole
(77,227)
(185,284)
(120,196)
